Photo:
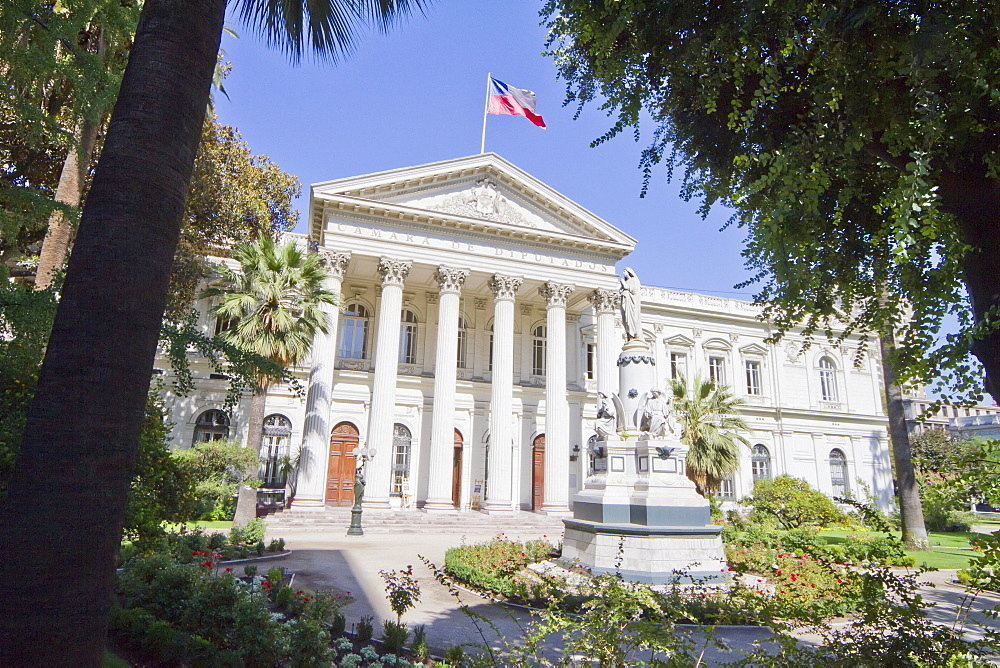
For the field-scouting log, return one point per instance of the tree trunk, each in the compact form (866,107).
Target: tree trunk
(62,518)
(975,201)
(68,192)
(910,509)
(246,504)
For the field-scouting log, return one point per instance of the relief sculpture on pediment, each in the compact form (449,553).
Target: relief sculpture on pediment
(483,201)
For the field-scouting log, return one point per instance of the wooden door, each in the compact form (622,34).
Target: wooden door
(456,471)
(537,472)
(340,474)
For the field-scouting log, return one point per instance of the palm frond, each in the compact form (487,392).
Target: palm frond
(327,28)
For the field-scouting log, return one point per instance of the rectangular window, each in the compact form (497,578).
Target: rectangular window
(400,469)
(408,344)
(591,361)
(717,370)
(753,377)
(352,338)
(727,488)
(463,342)
(490,366)
(538,357)
(678,366)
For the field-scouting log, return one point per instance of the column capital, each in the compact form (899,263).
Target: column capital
(604,300)
(335,262)
(555,294)
(450,279)
(393,272)
(505,287)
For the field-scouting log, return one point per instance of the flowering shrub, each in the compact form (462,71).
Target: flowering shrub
(190,601)
(805,585)
(495,565)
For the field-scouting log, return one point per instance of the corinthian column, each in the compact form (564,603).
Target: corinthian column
(555,495)
(382,415)
(605,303)
(314,454)
(498,494)
(439,482)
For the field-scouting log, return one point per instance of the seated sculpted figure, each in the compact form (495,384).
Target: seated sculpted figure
(606,419)
(657,416)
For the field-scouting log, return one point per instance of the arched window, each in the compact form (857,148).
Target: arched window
(827,379)
(401,440)
(838,473)
(354,332)
(463,342)
(212,425)
(760,463)
(538,347)
(274,450)
(408,337)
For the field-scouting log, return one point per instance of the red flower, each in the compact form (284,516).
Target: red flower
(207,564)
(229,570)
(266,584)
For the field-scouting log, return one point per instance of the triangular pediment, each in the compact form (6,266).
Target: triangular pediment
(484,192)
(485,199)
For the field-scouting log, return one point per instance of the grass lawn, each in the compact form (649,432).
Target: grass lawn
(948,550)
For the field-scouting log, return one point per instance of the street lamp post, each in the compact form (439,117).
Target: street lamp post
(362,455)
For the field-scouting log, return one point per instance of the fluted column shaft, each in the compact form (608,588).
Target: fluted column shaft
(498,486)
(314,455)
(383,410)
(605,303)
(439,481)
(555,495)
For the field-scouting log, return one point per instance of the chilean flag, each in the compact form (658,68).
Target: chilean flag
(506,99)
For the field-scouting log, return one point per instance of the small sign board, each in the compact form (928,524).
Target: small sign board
(477,495)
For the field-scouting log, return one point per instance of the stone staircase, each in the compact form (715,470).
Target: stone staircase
(334,518)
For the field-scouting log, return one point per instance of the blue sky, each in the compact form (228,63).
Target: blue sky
(417,95)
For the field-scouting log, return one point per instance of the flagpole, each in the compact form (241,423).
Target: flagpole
(489,78)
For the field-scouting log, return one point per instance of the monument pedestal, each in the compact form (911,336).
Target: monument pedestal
(644,519)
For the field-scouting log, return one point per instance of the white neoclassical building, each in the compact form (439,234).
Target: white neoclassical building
(478,322)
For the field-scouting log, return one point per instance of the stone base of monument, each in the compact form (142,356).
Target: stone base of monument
(644,519)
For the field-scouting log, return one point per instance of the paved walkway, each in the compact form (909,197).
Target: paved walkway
(328,560)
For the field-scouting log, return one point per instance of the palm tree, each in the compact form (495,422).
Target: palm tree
(274,300)
(62,518)
(709,415)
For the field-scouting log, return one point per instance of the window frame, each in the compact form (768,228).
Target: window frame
(838,460)
(760,463)
(754,377)
(402,451)
(539,350)
(275,444)
(462,345)
(408,335)
(717,369)
(828,391)
(355,317)
(215,430)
